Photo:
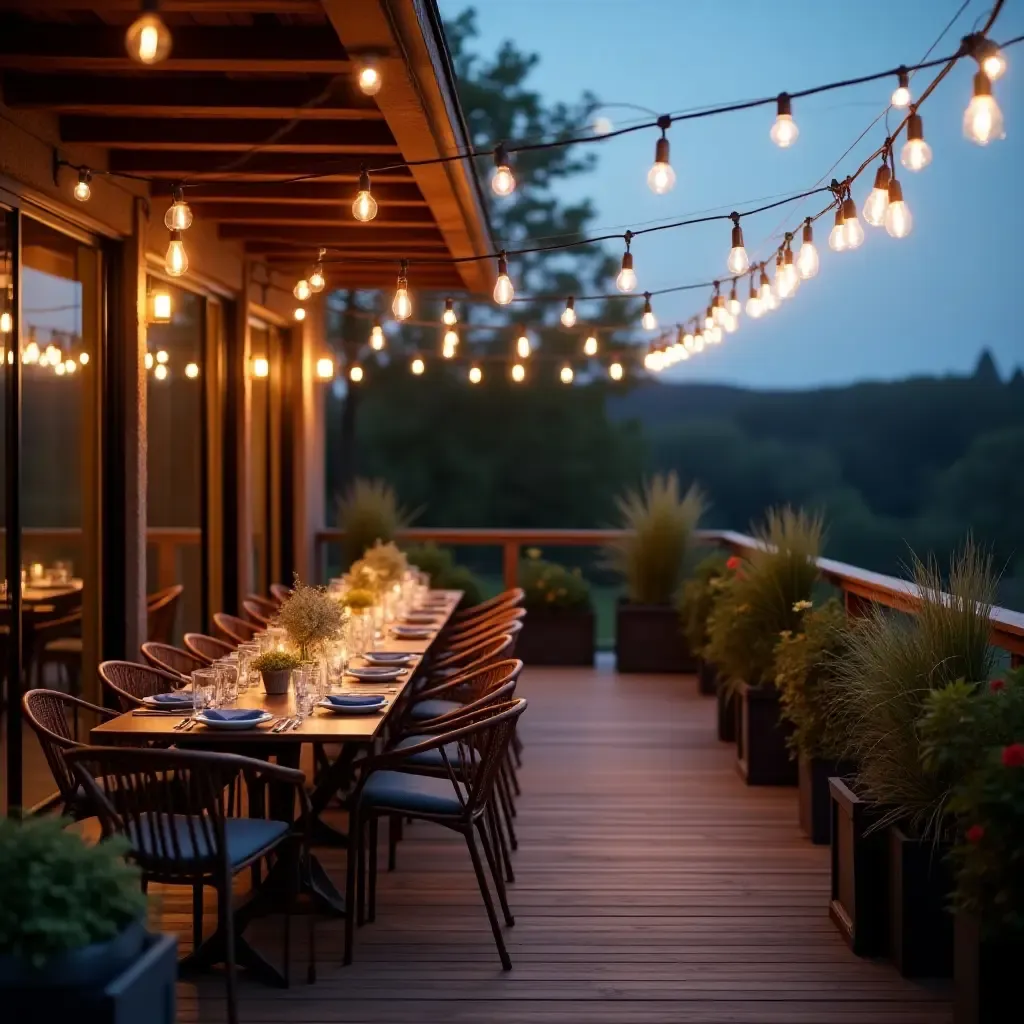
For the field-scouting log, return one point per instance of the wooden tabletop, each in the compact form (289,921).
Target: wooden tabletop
(322,726)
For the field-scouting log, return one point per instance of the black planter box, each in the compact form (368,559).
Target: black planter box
(707,678)
(762,753)
(920,923)
(726,713)
(859,906)
(986,974)
(649,638)
(557,638)
(815,801)
(143,992)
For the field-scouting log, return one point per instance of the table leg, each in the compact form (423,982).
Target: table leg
(213,951)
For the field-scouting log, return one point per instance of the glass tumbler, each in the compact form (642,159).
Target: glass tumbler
(204,689)
(227,681)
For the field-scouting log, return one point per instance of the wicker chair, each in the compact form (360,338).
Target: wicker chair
(280,593)
(506,599)
(172,659)
(46,711)
(256,613)
(130,682)
(478,741)
(207,648)
(161,611)
(171,805)
(233,629)
(453,660)
(501,619)
(268,608)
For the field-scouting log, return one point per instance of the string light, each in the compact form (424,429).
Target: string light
(70,366)
(784,131)
(60,371)
(377,336)
(449,344)
(475,374)
(983,120)
(898,221)
(807,259)
(178,216)
(709,319)
(738,261)
(718,308)
(192,370)
(299,313)
(364,206)
(568,317)
(754,308)
(735,306)
(916,154)
(83,359)
(837,236)
(615,371)
(503,290)
(401,305)
(261,367)
(878,197)
(523,347)
(765,293)
(648,321)
(160,372)
(853,230)
(518,372)
(566,374)
(590,345)
(661,178)
(698,340)
(503,182)
(176,259)
(83,190)
(355,373)
(790,279)
(626,281)
(989,57)
(6,322)
(162,356)
(317,281)
(32,353)
(687,338)
(369,77)
(901,94)
(302,290)
(148,40)
(324,368)
(448,317)
(417,366)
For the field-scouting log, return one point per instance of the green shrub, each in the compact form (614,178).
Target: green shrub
(276,661)
(368,513)
(659,525)
(697,598)
(551,586)
(59,893)
(439,564)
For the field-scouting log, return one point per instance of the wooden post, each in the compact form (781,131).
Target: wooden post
(510,563)
(857,607)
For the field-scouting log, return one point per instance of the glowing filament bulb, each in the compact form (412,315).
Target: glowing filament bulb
(503,182)
(916,154)
(898,221)
(735,306)
(83,190)
(523,346)
(60,371)
(698,341)
(626,281)
(179,214)
(764,292)
(518,372)
(709,318)
(83,359)
(754,309)
(901,94)
(160,372)
(317,281)
(31,354)
(590,345)
(355,373)
(503,290)
(448,317)
(369,77)
(789,279)
(661,178)
(688,341)
(566,374)
(878,198)
(299,313)
(148,40)
(377,337)
(324,368)
(302,290)
(569,313)
(364,206)
(983,120)
(475,375)
(807,258)
(738,261)
(417,366)
(176,259)
(852,227)
(784,131)
(6,322)
(192,370)
(401,305)
(837,236)
(648,321)
(615,371)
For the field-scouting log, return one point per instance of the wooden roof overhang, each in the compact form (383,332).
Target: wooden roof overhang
(255,92)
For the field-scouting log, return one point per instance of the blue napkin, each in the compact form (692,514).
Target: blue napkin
(233,714)
(172,698)
(355,700)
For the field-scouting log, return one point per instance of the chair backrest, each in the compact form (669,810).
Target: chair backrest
(267,607)
(479,687)
(161,610)
(454,650)
(130,682)
(481,654)
(496,620)
(63,605)
(232,628)
(256,613)
(506,599)
(280,593)
(172,659)
(207,648)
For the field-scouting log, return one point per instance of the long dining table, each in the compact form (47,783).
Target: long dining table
(353,732)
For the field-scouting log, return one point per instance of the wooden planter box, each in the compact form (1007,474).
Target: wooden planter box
(726,713)
(986,974)
(649,638)
(859,906)
(707,678)
(920,922)
(145,991)
(815,803)
(762,753)
(557,637)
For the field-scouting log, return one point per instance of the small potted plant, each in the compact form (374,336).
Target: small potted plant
(559,624)
(696,600)
(73,929)
(276,669)
(658,526)
(311,618)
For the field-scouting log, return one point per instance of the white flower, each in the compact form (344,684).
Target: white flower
(802,606)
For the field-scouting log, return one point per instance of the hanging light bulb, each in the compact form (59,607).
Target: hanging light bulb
(32,354)
(569,313)
(837,236)
(60,371)
(178,216)
(789,280)
(324,368)
(983,120)
(317,281)
(989,57)
(687,339)
(878,197)
(626,280)
(160,371)
(709,319)
(364,206)
(807,257)
(852,227)
(784,131)
(648,321)
(302,290)
(475,374)
(916,154)
(176,259)
(192,370)
(735,307)
(698,341)
(148,40)
(83,190)
(901,94)
(503,182)
(590,345)
(566,374)
(518,372)
(448,317)
(503,290)
(377,336)
(718,307)
(355,373)
(6,322)
(615,371)
(451,339)
(299,313)
(523,346)
(401,305)
(661,178)
(369,77)
(898,221)
(417,366)
(754,308)
(83,359)
(714,336)
(738,261)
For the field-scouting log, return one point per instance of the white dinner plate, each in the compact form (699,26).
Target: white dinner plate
(213,723)
(185,704)
(413,632)
(388,658)
(375,674)
(354,709)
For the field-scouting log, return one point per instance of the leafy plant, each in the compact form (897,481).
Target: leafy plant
(386,561)
(276,661)
(765,596)
(368,513)
(358,598)
(439,564)
(548,585)
(659,524)
(805,663)
(697,598)
(892,665)
(59,893)
(311,618)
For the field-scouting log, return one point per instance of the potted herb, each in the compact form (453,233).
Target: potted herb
(766,595)
(696,599)
(276,669)
(311,617)
(805,664)
(882,691)
(73,931)
(439,564)
(658,526)
(369,512)
(559,625)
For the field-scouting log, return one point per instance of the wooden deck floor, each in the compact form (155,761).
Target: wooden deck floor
(653,886)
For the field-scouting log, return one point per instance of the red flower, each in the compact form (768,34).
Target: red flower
(734,563)
(1013,756)
(996,685)
(975,834)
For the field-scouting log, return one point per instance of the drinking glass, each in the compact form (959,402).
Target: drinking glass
(227,681)
(204,689)
(334,664)
(62,572)
(248,675)
(304,696)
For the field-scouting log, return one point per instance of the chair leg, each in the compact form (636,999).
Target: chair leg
(372,854)
(293,851)
(507,811)
(197,915)
(506,790)
(361,877)
(485,892)
(492,863)
(499,840)
(394,834)
(510,767)
(227,922)
(351,867)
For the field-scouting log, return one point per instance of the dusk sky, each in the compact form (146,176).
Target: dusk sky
(924,304)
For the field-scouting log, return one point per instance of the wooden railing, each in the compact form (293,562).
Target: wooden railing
(861,588)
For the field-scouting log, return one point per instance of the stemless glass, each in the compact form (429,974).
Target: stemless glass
(334,664)
(204,689)
(227,681)
(248,675)
(304,696)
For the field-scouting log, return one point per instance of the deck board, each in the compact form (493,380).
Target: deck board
(652,886)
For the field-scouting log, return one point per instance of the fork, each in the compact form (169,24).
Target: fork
(185,724)
(283,725)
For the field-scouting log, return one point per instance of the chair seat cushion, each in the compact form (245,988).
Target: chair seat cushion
(433,708)
(244,837)
(432,758)
(411,793)
(65,645)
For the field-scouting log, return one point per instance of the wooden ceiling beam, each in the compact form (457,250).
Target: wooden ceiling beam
(131,7)
(384,238)
(312,215)
(178,164)
(301,193)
